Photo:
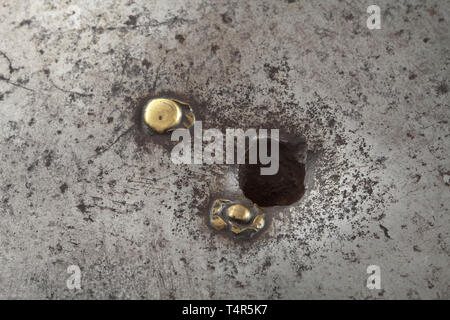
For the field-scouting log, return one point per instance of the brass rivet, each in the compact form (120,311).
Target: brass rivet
(239,212)
(236,217)
(164,114)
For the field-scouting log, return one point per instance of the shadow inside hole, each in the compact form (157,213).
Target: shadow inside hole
(281,189)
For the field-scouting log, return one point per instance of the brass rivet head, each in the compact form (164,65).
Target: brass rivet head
(239,212)
(163,115)
(236,218)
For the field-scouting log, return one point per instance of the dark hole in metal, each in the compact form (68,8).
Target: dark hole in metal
(281,189)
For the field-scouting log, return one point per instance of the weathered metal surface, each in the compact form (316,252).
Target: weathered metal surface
(80,186)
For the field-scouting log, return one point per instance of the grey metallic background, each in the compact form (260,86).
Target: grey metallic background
(76,187)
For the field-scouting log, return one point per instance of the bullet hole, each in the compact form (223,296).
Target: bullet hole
(281,189)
